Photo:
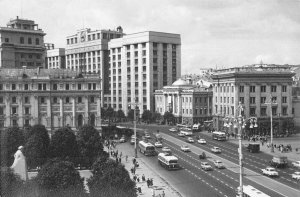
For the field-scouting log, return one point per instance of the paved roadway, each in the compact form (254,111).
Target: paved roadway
(194,181)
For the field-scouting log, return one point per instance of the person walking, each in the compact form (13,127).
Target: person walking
(143,177)
(163,194)
(148,182)
(126,158)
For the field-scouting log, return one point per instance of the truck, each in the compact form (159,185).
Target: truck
(168,161)
(279,161)
(253,147)
(269,171)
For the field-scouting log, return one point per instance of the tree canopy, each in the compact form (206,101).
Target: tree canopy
(169,117)
(10,184)
(147,116)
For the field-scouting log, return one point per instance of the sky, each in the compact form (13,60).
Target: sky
(214,33)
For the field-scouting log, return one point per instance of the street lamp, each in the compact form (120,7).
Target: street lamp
(135,104)
(241,124)
(271,116)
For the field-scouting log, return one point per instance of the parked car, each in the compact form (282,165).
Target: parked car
(296,164)
(173,130)
(218,164)
(269,171)
(158,144)
(205,166)
(190,140)
(147,135)
(181,134)
(166,149)
(296,175)
(202,141)
(185,148)
(215,149)
(122,140)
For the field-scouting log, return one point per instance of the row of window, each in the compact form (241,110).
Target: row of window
(263,100)
(251,88)
(83,55)
(43,86)
(29,40)
(135,46)
(252,111)
(94,36)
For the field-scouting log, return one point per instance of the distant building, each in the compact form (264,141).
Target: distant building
(52,97)
(55,57)
(21,44)
(254,86)
(190,104)
(141,63)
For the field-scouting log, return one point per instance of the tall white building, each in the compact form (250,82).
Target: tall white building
(141,63)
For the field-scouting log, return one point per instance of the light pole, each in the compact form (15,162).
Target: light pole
(271,116)
(241,122)
(134,122)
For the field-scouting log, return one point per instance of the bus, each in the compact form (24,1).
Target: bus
(218,135)
(168,161)
(147,148)
(250,191)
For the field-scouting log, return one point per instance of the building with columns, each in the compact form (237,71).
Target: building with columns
(141,63)
(52,97)
(21,44)
(190,104)
(261,89)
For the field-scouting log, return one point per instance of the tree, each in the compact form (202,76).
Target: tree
(90,146)
(156,117)
(64,145)
(147,116)
(11,184)
(59,178)
(120,114)
(130,114)
(169,117)
(37,147)
(109,113)
(110,179)
(13,139)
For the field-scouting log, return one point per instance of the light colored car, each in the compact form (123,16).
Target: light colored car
(147,135)
(166,149)
(173,129)
(122,140)
(190,140)
(158,144)
(269,171)
(185,148)
(202,141)
(181,134)
(205,166)
(218,164)
(215,149)
(296,164)
(296,175)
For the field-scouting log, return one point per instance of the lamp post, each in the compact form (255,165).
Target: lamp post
(240,123)
(271,116)
(134,122)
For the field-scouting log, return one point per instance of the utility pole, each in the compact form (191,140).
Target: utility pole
(241,122)
(271,116)
(135,104)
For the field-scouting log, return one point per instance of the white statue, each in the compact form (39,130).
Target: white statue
(19,166)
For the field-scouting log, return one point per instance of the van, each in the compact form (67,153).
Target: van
(253,147)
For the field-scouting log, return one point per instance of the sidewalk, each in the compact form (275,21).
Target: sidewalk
(159,184)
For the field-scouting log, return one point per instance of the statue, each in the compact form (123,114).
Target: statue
(19,166)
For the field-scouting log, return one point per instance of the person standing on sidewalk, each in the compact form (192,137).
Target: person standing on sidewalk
(126,158)
(163,194)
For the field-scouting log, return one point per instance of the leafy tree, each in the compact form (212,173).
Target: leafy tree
(90,145)
(37,146)
(109,113)
(169,117)
(110,179)
(64,145)
(120,114)
(59,178)
(147,116)
(156,117)
(130,114)
(11,184)
(13,138)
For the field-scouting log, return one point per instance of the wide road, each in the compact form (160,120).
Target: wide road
(224,182)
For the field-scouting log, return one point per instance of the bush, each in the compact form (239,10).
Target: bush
(11,184)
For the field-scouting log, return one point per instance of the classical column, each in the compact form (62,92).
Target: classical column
(7,111)
(61,111)
(86,109)
(74,111)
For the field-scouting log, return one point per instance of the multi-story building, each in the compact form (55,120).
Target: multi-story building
(55,57)
(261,90)
(21,44)
(190,104)
(52,97)
(141,63)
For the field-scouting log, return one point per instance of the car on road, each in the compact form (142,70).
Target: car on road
(147,135)
(158,144)
(269,171)
(205,166)
(190,140)
(173,130)
(296,164)
(218,164)
(296,175)
(215,149)
(185,148)
(166,149)
(181,134)
(202,141)
(122,140)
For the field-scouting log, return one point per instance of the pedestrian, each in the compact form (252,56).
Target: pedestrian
(148,182)
(121,154)
(116,153)
(163,194)
(151,182)
(138,179)
(143,177)
(126,158)
(134,178)
(120,159)
(117,160)
(133,160)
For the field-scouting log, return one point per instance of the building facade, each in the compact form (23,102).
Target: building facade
(54,98)
(21,44)
(190,104)
(55,58)
(261,90)
(141,63)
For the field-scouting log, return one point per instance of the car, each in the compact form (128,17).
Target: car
(296,175)
(132,140)
(205,166)
(269,171)
(158,144)
(185,148)
(190,140)
(215,149)
(219,164)
(173,130)
(122,140)
(166,149)
(147,135)
(202,141)
(296,164)
(181,134)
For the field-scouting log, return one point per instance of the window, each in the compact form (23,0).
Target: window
(79,86)
(67,86)
(13,86)
(263,88)
(43,100)
(54,86)
(37,41)
(6,39)
(26,110)
(283,88)
(252,88)
(252,100)
(242,100)
(14,99)
(274,99)
(67,100)
(1,110)
(284,111)
(22,40)
(26,99)
(79,99)
(252,111)
(232,100)
(29,41)
(262,100)
(55,100)
(1,86)
(263,111)
(92,99)
(241,88)
(274,111)
(14,110)
(273,88)
(1,99)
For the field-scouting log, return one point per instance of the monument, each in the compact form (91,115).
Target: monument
(19,166)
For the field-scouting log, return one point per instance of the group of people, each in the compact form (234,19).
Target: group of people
(282,148)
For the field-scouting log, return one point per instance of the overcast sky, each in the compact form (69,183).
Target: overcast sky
(222,33)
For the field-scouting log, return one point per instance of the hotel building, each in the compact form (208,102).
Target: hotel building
(261,90)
